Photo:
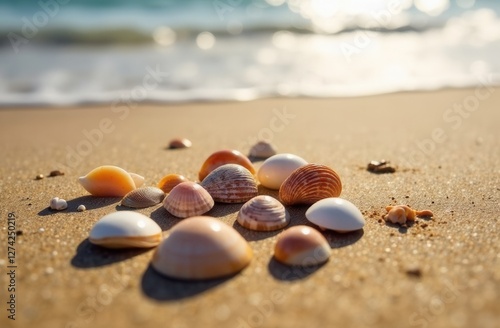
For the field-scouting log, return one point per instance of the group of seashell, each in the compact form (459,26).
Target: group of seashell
(202,247)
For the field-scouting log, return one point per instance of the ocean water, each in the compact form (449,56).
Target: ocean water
(66,52)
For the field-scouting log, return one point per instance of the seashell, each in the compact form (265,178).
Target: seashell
(262,149)
(180,143)
(170,181)
(302,246)
(336,214)
(111,181)
(143,197)
(402,213)
(230,183)
(263,213)
(58,204)
(81,208)
(188,199)
(222,157)
(124,229)
(201,248)
(310,183)
(39,177)
(277,168)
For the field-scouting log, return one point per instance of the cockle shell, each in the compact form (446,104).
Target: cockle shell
(262,149)
(310,183)
(222,157)
(110,181)
(230,183)
(336,214)
(402,213)
(302,246)
(277,168)
(143,197)
(58,204)
(125,229)
(168,182)
(178,143)
(201,248)
(263,213)
(188,199)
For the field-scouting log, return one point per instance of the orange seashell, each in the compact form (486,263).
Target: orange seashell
(170,181)
(188,199)
(230,183)
(110,181)
(179,143)
(309,184)
(222,157)
(402,213)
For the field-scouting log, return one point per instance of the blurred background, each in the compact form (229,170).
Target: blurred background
(68,52)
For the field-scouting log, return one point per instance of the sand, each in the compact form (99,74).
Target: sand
(442,272)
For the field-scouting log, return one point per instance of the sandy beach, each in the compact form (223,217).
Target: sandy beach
(440,272)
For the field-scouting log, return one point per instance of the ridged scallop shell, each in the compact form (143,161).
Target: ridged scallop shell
(277,168)
(230,183)
(180,143)
(310,183)
(125,229)
(201,248)
(222,157)
(262,149)
(168,182)
(263,213)
(302,246)
(336,214)
(111,181)
(143,197)
(188,199)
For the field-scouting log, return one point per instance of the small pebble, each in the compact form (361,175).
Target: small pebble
(39,177)
(380,167)
(81,208)
(58,204)
(19,233)
(41,230)
(414,272)
(55,173)
(180,143)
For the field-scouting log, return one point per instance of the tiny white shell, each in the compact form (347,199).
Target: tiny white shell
(58,204)
(124,229)
(277,168)
(336,214)
(81,208)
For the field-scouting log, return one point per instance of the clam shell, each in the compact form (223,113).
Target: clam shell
(110,181)
(302,246)
(310,183)
(201,248)
(262,149)
(277,168)
(188,199)
(263,213)
(336,214)
(170,181)
(143,197)
(180,143)
(125,229)
(222,157)
(230,183)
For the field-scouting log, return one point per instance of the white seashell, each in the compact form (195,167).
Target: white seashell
(81,208)
(336,214)
(138,179)
(230,183)
(143,197)
(188,199)
(263,213)
(262,149)
(201,248)
(302,246)
(58,204)
(124,229)
(277,168)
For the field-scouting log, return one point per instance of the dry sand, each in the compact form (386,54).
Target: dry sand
(443,272)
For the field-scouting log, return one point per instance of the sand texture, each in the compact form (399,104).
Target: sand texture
(441,272)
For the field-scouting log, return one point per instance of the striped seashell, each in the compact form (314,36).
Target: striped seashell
(188,199)
(310,183)
(263,213)
(230,183)
(223,157)
(143,197)
(168,182)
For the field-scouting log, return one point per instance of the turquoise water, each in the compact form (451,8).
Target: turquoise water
(58,52)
